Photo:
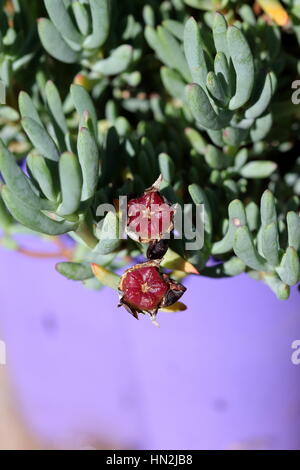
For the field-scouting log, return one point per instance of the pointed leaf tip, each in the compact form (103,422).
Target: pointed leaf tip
(106,277)
(177,307)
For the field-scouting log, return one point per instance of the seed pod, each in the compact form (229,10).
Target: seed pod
(157,249)
(144,289)
(150,216)
(176,290)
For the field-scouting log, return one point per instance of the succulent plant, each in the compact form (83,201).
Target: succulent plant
(105,46)
(229,88)
(148,94)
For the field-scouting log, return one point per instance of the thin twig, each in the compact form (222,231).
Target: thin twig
(67,253)
(62,252)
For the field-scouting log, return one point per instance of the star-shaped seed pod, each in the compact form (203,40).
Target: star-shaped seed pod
(144,289)
(150,219)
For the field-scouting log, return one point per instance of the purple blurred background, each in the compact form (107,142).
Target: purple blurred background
(218,376)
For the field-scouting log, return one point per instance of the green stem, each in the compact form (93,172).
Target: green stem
(86,235)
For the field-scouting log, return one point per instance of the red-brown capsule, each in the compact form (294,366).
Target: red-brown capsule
(144,289)
(157,249)
(150,216)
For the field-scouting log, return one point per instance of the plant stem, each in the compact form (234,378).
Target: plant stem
(86,235)
(62,252)
(44,255)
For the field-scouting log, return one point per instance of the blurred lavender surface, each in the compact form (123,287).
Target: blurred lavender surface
(217,376)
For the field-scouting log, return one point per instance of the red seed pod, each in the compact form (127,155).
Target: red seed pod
(150,216)
(144,289)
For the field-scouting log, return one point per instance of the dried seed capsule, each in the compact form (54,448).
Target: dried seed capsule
(150,216)
(144,289)
(176,290)
(157,249)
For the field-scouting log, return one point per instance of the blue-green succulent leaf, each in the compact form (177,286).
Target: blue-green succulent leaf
(221,69)
(100,12)
(199,197)
(252,213)
(54,43)
(240,158)
(293,223)
(262,101)
(33,218)
(196,140)
(270,243)
(117,62)
(170,48)
(194,52)
(174,27)
(281,290)
(27,107)
(83,103)
(268,208)
(258,169)
(70,182)
(215,88)
(62,21)
(167,167)
(6,219)
(109,235)
(89,161)
(219,34)
(173,82)
(244,248)
(75,271)
(40,139)
(289,269)
(81,17)
(15,179)
(242,60)
(237,218)
(261,127)
(40,171)
(55,105)
(201,108)
(216,158)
